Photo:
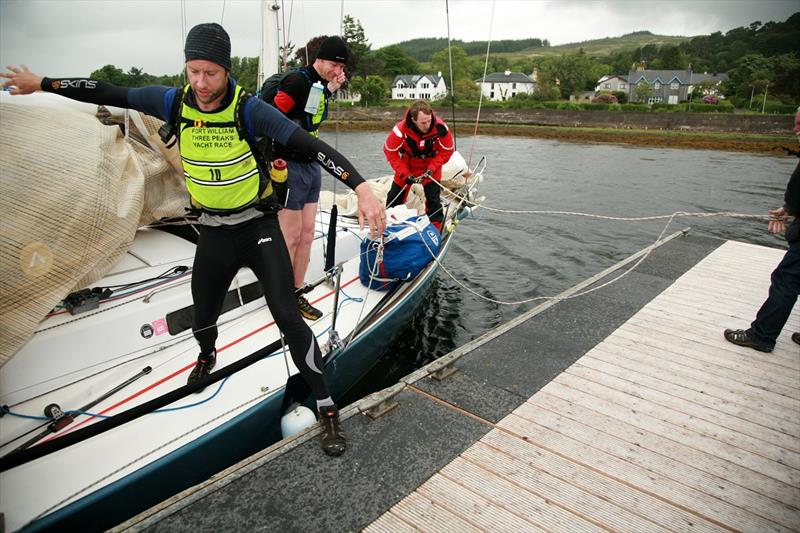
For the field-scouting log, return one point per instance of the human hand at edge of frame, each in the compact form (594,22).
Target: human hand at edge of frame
(24,81)
(337,82)
(371,209)
(777,220)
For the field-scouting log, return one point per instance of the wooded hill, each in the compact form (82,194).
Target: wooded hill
(517,49)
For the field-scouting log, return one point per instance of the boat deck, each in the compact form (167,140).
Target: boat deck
(623,409)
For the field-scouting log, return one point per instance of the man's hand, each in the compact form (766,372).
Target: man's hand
(370,208)
(411,180)
(777,220)
(24,81)
(337,82)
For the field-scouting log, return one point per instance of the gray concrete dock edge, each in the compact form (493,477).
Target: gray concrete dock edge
(292,486)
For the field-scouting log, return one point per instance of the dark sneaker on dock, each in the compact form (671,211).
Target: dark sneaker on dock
(796,337)
(203,368)
(332,440)
(741,338)
(307,310)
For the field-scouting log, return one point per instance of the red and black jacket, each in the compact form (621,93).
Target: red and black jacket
(411,152)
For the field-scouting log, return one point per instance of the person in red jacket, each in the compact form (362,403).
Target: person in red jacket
(416,148)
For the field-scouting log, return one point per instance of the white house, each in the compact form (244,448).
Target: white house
(505,85)
(612,82)
(707,82)
(418,87)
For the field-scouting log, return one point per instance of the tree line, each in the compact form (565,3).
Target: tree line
(759,58)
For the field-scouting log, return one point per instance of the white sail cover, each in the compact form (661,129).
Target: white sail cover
(73,191)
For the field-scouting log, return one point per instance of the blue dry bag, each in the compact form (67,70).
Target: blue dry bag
(408,247)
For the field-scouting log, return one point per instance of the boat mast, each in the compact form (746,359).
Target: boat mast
(269,60)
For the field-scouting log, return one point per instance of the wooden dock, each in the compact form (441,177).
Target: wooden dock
(621,410)
(663,426)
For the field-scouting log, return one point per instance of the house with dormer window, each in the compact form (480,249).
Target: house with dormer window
(668,86)
(504,85)
(418,87)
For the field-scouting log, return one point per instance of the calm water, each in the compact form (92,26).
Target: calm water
(514,257)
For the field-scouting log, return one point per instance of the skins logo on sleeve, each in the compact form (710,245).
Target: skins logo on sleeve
(77,84)
(329,164)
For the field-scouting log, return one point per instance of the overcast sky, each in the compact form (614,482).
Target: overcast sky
(75,37)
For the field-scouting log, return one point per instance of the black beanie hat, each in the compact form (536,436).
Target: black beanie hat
(333,49)
(209,41)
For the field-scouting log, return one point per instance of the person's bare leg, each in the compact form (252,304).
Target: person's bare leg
(291,222)
(302,253)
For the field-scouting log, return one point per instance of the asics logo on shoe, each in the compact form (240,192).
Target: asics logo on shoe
(264,239)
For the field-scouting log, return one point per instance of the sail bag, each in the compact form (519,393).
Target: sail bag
(407,248)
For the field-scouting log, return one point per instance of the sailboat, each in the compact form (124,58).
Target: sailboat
(97,420)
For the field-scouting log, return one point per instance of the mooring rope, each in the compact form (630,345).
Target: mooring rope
(670,218)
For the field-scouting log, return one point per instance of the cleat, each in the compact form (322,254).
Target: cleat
(307,310)
(203,368)
(741,338)
(332,441)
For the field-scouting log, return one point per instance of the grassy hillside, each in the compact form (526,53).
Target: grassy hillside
(422,49)
(602,47)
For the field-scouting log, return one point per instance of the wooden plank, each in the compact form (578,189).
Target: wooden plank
(775,404)
(691,322)
(713,345)
(711,285)
(739,486)
(532,469)
(700,357)
(697,433)
(717,310)
(764,364)
(737,313)
(514,499)
(616,492)
(390,523)
(675,409)
(579,447)
(424,515)
(473,508)
(669,383)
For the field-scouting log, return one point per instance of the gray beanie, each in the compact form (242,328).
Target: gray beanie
(209,41)
(333,49)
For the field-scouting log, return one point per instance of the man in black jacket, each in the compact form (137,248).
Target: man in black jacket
(785,281)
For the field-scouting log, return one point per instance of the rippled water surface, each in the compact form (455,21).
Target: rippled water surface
(513,257)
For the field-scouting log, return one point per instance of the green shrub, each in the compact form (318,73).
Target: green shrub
(777,108)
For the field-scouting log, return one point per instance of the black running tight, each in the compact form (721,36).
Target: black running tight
(257,244)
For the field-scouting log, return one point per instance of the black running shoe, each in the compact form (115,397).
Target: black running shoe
(796,337)
(741,338)
(307,310)
(203,368)
(332,441)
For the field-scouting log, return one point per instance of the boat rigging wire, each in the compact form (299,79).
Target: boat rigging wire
(450,56)
(480,93)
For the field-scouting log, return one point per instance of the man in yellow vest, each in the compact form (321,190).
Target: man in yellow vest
(238,221)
